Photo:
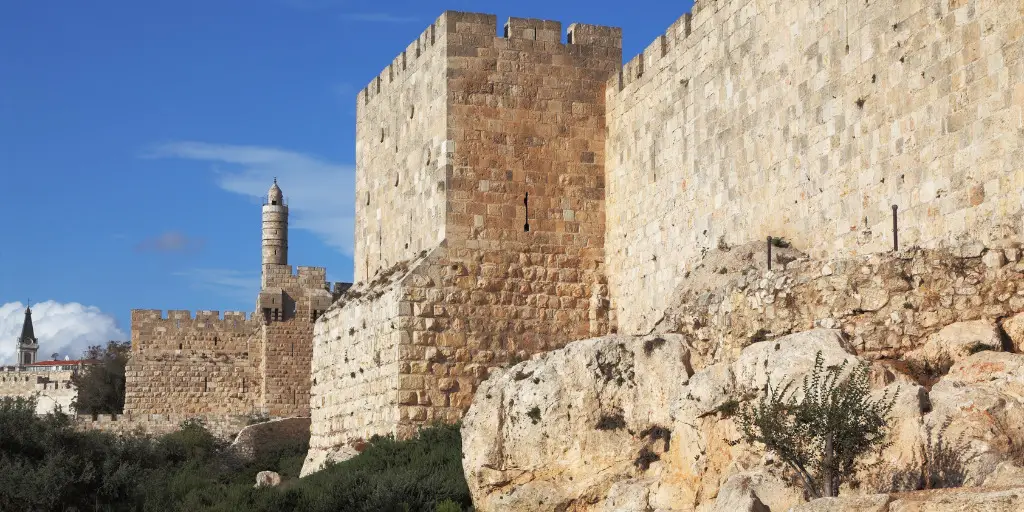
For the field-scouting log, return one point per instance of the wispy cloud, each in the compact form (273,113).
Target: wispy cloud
(170,241)
(226,283)
(320,193)
(379,17)
(66,329)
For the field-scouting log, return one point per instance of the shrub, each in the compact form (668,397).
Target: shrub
(46,464)
(823,436)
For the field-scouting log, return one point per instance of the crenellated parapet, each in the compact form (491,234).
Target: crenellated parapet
(181,330)
(453,28)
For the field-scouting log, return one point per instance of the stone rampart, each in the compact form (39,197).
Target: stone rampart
(808,120)
(201,365)
(52,390)
(222,426)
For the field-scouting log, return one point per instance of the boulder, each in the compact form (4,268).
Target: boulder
(1014,329)
(623,423)
(271,437)
(956,341)
(267,479)
(559,430)
(980,404)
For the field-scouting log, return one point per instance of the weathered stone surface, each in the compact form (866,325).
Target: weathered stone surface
(982,398)
(957,341)
(267,479)
(1014,328)
(944,500)
(559,430)
(869,503)
(927,290)
(621,420)
(753,491)
(271,436)
(317,459)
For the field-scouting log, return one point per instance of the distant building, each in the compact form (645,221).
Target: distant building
(48,381)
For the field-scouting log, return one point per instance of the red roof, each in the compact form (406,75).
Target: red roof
(63,363)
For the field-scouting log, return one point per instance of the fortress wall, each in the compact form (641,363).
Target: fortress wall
(491,292)
(222,426)
(18,383)
(185,365)
(51,389)
(808,120)
(400,157)
(355,368)
(286,343)
(286,357)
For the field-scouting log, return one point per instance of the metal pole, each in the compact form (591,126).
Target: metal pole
(526,203)
(895,230)
(769,253)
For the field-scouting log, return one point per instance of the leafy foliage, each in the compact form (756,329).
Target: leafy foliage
(101,385)
(46,464)
(823,435)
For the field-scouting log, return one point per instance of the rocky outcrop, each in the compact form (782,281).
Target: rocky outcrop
(628,423)
(945,500)
(885,304)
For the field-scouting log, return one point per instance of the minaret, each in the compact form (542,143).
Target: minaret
(275,230)
(28,344)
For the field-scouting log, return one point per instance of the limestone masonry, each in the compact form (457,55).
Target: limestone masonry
(521,190)
(220,367)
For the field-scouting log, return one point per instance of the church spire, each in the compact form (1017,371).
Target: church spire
(28,333)
(28,344)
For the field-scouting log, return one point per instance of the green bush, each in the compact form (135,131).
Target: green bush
(45,464)
(824,435)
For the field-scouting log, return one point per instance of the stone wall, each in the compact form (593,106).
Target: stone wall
(286,348)
(808,120)
(52,390)
(400,133)
(220,425)
(356,349)
(193,366)
(409,347)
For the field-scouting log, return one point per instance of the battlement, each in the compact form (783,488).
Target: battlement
(459,25)
(153,315)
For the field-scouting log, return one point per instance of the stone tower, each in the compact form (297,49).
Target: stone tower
(208,365)
(28,344)
(275,230)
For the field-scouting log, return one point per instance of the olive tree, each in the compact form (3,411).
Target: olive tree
(823,433)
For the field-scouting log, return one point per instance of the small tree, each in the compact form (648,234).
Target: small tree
(101,385)
(823,435)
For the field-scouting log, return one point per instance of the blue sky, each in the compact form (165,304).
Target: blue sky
(135,138)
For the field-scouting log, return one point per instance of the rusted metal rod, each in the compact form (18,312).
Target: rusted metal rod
(895,230)
(769,253)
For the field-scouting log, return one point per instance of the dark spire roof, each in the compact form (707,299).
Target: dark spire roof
(28,334)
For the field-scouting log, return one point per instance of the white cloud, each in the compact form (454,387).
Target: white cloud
(67,329)
(320,194)
(231,284)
